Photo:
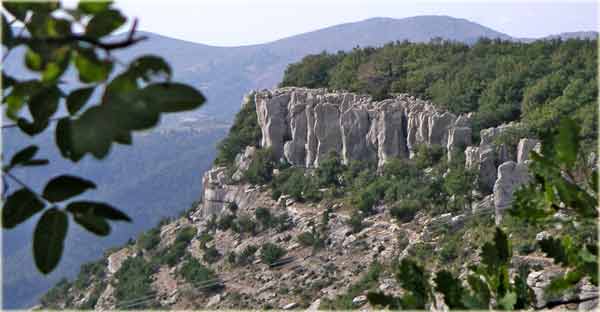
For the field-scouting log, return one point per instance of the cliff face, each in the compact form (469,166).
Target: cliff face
(304,125)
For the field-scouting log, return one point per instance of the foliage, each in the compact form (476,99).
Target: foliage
(245,131)
(150,239)
(486,281)
(56,294)
(225,222)
(245,224)
(211,255)
(131,100)
(428,155)
(195,273)
(355,221)
(563,183)
(260,170)
(270,252)
(89,272)
(405,210)
(501,81)
(247,255)
(134,280)
(367,282)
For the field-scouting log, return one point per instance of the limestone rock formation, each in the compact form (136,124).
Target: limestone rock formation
(525,146)
(242,162)
(304,125)
(511,176)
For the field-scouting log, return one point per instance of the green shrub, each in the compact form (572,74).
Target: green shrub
(134,280)
(90,272)
(186,234)
(245,131)
(204,238)
(233,207)
(306,239)
(260,170)
(355,222)
(329,170)
(225,222)
(405,210)
(91,301)
(244,224)
(196,273)
(150,239)
(211,255)
(369,281)
(428,155)
(56,294)
(264,216)
(247,255)
(231,257)
(269,253)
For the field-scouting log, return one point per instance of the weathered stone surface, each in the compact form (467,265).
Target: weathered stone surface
(511,176)
(116,259)
(525,146)
(305,125)
(458,139)
(472,157)
(242,162)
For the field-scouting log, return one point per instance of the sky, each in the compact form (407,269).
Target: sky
(242,22)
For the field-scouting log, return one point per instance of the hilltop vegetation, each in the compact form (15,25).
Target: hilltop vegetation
(501,81)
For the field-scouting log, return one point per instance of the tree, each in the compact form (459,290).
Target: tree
(129,100)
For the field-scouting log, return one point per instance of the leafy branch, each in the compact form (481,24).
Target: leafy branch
(133,100)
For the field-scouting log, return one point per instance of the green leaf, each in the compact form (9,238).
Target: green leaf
(452,289)
(62,137)
(48,239)
(66,186)
(172,97)
(32,128)
(44,104)
(104,23)
(90,67)
(149,66)
(33,60)
(93,223)
(20,206)
(77,99)
(594,181)
(92,132)
(93,7)
(23,155)
(98,209)
(508,301)
(567,142)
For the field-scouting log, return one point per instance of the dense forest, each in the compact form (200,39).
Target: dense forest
(500,81)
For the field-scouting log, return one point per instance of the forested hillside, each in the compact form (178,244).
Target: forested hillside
(500,81)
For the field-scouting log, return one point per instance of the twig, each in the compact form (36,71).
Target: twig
(18,181)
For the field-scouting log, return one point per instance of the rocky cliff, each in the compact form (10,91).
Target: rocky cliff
(327,260)
(302,126)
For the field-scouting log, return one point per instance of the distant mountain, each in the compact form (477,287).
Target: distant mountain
(160,175)
(226,73)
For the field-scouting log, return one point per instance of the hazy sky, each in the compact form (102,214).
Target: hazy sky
(238,22)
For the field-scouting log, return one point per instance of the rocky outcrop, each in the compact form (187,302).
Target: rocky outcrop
(242,162)
(218,193)
(525,147)
(116,259)
(511,176)
(304,125)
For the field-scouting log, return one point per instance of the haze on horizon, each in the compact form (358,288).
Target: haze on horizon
(243,22)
